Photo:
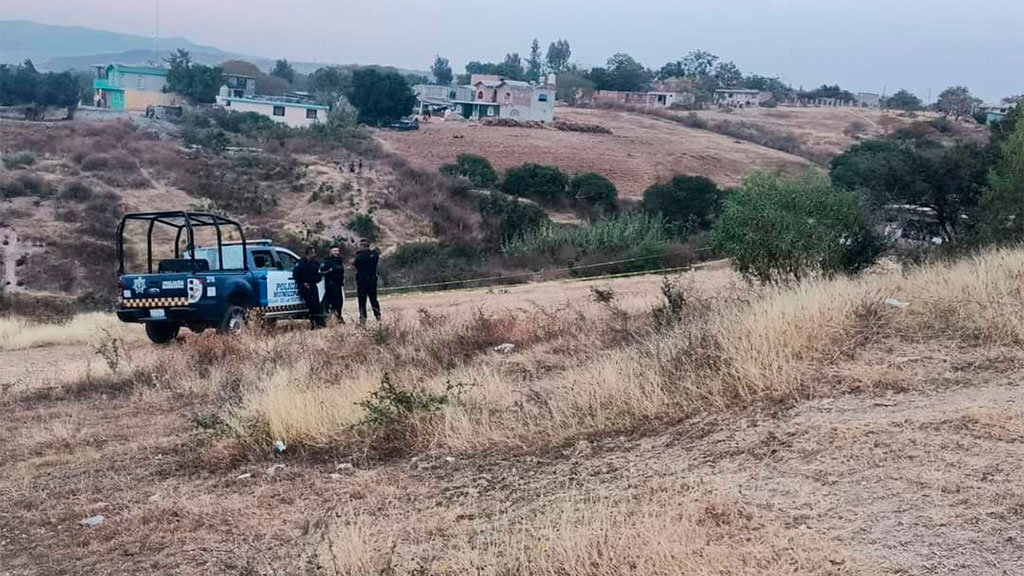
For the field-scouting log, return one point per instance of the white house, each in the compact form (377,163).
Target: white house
(493,97)
(290,111)
(741,97)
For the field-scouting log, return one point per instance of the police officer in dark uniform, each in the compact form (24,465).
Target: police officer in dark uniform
(307,275)
(365,264)
(333,270)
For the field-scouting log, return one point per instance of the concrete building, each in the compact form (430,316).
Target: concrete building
(994,113)
(240,85)
(291,111)
(491,97)
(121,87)
(741,97)
(651,99)
(868,100)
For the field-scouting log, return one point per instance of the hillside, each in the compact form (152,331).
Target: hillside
(813,430)
(639,151)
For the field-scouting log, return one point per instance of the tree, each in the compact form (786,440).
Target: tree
(826,91)
(1003,203)
(573,87)
(476,169)
(778,228)
(534,66)
(727,74)
(512,67)
(283,70)
(558,56)
(545,184)
(626,74)
(903,100)
(23,84)
(956,100)
(442,70)
(948,181)
(195,82)
(696,64)
(688,204)
(380,97)
(591,190)
(61,90)
(330,83)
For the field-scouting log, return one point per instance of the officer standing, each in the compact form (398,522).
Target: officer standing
(334,283)
(307,275)
(365,263)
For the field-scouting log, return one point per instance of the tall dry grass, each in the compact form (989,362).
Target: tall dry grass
(19,333)
(589,368)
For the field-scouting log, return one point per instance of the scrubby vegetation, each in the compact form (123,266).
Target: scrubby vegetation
(474,168)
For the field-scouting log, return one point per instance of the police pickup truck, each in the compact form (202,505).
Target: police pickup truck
(219,285)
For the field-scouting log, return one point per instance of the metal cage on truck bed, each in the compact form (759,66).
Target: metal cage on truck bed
(180,221)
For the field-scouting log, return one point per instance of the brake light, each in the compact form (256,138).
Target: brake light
(195,290)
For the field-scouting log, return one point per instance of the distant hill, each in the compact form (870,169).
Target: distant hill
(62,47)
(59,48)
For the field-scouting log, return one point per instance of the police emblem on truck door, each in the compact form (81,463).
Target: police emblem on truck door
(139,284)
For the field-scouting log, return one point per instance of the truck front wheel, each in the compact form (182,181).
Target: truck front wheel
(162,332)
(234,320)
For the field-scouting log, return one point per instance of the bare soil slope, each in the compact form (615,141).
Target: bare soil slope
(640,150)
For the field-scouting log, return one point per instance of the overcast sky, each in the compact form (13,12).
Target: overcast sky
(864,45)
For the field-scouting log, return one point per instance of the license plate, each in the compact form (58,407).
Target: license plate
(157,313)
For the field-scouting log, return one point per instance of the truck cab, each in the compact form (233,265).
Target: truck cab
(218,286)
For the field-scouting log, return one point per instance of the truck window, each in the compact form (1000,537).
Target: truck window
(232,257)
(263,258)
(286,260)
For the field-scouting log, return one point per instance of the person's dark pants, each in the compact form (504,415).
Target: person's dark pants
(312,299)
(367,291)
(334,300)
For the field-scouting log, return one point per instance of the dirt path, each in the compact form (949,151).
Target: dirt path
(12,251)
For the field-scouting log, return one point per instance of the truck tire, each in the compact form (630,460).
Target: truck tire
(233,322)
(162,332)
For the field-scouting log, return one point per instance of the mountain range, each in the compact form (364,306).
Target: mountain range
(59,48)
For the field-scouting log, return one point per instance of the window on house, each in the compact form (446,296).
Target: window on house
(311,113)
(542,97)
(141,83)
(508,96)
(278,110)
(490,110)
(227,103)
(452,95)
(480,95)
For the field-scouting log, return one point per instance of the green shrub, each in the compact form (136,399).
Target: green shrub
(18,160)
(688,204)
(619,233)
(592,190)
(363,225)
(76,190)
(545,184)
(508,218)
(474,168)
(25,185)
(779,228)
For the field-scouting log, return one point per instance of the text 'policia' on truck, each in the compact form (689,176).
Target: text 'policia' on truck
(201,287)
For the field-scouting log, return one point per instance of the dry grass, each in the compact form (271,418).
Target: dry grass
(18,333)
(585,368)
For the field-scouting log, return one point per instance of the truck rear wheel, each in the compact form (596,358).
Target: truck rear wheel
(233,322)
(162,332)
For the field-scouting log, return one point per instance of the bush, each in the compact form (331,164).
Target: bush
(622,232)
(25,185)
(545,184)
(363,225)
(18,160)
(474,168)
(508,218)
(592,190)
(779,228)
(856,128)
(689,204)
(76,190)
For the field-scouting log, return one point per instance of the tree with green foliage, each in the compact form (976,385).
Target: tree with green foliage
(688,204)
(196,82)
(474,168)
(380,97)
(442,70)
(545,184)
(534,65)
(1003,202)
(329,84)
(956,101)
(512,67)
(948,181)
(826,91)
(558,56)
(573,87)
(696,64)
(779,228)
(23,84)
(624,73)
(903,100)
(727,75)
(508,218)
(593,192)
(283,70)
